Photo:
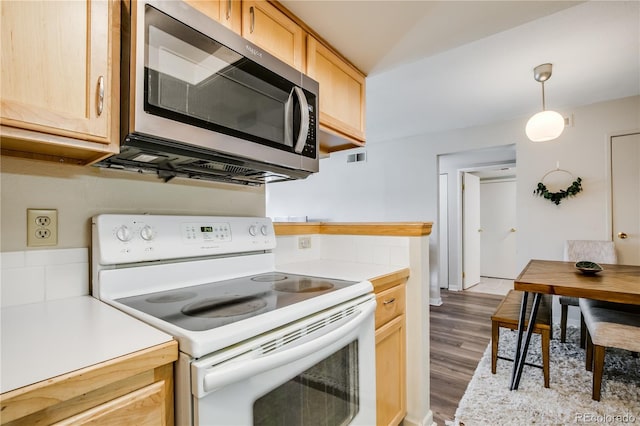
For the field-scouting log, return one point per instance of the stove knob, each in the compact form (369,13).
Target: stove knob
(124,234)
(253,230)
(264,230)
(147,233)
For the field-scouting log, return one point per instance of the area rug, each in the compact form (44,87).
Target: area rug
(488,400)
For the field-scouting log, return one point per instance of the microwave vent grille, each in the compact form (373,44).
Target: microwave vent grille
(170,159)
(213,165)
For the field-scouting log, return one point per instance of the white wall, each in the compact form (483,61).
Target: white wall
(81,192)
(399,181)
(584,151)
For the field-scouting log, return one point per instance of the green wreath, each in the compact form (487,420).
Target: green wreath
(556,197)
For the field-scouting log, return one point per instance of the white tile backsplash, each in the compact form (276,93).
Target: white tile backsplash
(39,275)
(380,250)
(67,280)
(13,259)
(22,285)
(55,257)
(399,255)
(287,248)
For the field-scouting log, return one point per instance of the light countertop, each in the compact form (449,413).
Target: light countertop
(351,271)
(44,340)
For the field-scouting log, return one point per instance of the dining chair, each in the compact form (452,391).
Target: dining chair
(599,251)
(609,325)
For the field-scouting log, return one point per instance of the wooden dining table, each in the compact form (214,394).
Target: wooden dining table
(615,283)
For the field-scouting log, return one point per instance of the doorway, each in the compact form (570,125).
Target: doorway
(489,227)
(497,160)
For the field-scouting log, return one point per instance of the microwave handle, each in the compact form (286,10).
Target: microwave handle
(304,120)
(234,372)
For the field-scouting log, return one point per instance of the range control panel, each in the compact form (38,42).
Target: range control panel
(206,232)
(119,239)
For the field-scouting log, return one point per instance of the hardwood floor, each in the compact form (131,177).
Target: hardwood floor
(460,333)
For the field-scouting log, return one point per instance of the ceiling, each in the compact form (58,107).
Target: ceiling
(455,64)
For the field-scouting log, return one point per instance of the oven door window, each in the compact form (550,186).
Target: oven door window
(325,394)
(195,80)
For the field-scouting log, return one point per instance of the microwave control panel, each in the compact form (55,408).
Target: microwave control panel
(310,148)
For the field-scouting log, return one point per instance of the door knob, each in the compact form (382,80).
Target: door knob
(622,235)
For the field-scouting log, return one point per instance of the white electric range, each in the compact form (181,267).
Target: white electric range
(256,345)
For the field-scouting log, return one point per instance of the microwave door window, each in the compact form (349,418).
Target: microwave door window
(196,80)
(234,98)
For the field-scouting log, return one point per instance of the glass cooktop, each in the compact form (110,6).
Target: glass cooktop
(207,306)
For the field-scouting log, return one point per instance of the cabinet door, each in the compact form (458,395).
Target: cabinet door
(342,92)
(142,407)
(226,12)
(390,372)
(56,58)
(269,28)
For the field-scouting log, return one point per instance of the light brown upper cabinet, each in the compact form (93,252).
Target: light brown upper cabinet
(266,26)
(226,12)
(60,79)
(342,97)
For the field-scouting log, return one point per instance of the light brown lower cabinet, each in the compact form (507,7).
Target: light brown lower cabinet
(391,405)
(142,407)
(134,389)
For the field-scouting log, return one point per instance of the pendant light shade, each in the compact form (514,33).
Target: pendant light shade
(545,125)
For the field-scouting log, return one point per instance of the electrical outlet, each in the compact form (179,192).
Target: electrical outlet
(42,227)
(304,242)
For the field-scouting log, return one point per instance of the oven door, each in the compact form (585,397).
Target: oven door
(318,371)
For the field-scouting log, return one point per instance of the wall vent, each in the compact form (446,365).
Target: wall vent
(357,157)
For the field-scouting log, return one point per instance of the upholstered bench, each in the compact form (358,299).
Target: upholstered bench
(507,315)
(609,325)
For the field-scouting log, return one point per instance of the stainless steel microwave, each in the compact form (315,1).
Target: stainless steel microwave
(199,101)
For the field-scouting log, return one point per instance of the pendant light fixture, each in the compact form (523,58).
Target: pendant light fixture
(545,125)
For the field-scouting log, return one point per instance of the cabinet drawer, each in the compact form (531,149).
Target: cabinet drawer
(391,303)
(142,407)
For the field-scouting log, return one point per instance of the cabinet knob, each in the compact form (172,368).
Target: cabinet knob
(252,16)
(622,235)
(100,95)
(389,301)
(228,9)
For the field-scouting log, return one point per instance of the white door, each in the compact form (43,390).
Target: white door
(470,230)
(625,182)
(443,233)
(498,240)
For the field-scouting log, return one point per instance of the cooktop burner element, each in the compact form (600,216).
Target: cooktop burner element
(172,297)
(265,278)
(303,285)
(220,307)
(211,305)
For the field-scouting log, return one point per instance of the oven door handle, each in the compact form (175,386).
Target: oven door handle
(237,371)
